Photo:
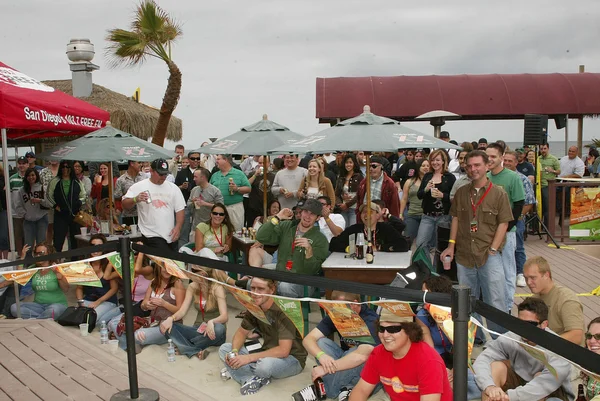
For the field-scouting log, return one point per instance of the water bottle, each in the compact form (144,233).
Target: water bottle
(103,333)
(171,351)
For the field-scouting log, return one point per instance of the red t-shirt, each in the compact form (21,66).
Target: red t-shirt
(420,372)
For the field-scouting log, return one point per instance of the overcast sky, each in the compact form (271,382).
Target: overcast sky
(242,59)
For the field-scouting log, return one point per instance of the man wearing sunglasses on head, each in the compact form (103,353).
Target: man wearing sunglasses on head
(408,367)
(382,187)
(505,370)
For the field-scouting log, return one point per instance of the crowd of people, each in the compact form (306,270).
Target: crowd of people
(467,206)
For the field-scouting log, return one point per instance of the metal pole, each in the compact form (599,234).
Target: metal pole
(11,229)
(368,193)
(580,124)
(461,314)
(566,134)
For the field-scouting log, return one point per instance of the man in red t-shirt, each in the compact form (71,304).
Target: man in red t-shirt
(408,368)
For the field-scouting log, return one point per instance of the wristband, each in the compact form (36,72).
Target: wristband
(274,220)
(451,241)
(235,350)
(320,354)
(135,199)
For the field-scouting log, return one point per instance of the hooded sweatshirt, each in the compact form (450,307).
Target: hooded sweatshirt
(31,211)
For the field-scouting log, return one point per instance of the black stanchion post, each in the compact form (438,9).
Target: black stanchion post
(134,393)
(461,314)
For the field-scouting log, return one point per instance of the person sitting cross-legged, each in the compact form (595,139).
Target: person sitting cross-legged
(506,371)
(281,355)
(339,365)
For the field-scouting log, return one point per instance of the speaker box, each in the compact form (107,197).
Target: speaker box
(536,129)
(560,121)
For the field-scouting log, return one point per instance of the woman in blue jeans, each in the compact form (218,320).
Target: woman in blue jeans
(435,193)
(102,299)
(210,328)
(32,204)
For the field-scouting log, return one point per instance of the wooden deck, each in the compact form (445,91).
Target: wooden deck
(44,361)
(570,268)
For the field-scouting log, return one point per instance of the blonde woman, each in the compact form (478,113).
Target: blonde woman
(315,183)
(209,328)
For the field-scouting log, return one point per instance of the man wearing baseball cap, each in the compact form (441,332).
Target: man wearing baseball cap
(382,187)
(302,246)
(482,144)
(30,156)
(16,182)
(157,201)
(445,136)
(403,363)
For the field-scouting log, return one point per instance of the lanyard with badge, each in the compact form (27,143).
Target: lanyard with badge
(473,226)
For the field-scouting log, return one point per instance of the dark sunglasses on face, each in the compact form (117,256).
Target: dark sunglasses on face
(390,329)
(532,322)
(374,165)
(194,158)
(65,166)
(38,254)
(589,336)
(218,214)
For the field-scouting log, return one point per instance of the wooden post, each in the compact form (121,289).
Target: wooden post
(110,198)
(580,124)
(368,192)
(264,178)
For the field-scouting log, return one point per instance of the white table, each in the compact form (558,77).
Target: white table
(382,271)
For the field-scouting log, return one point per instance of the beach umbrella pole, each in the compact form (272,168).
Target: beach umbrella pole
(110,198)
(368,191)
(11,229)
(264,178)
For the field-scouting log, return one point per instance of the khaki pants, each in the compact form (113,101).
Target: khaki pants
(513,380)
(236,214)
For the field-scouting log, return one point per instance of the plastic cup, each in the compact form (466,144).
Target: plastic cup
(83,230)
(113,346)
(133,228)
(447,263)
(83,329)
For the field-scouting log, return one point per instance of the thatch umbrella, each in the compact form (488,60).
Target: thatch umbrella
(126,114)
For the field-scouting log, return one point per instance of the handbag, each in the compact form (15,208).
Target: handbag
(76,315)
(138,323)
(83,218)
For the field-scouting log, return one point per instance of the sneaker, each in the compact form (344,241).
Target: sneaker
(253,385)
(344,394)
(308,393)
(521,281)
(225,375)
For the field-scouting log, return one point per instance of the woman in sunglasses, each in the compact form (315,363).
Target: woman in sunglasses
(66,194)
(215,235)
(592,342)
(403,363)
(49,286)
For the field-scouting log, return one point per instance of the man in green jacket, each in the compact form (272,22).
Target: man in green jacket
(302,246)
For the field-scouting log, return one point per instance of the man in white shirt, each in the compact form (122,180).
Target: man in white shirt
(158,201)
(287,181)
(330,224)
(124,182)
(571,166)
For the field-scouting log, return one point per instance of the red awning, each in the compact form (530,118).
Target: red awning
(474,97)
(29,108)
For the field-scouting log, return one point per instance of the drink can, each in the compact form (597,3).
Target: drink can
(231,355)
(149,200)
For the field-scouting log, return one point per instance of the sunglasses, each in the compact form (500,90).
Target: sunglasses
(65,166)
(194,158)
(589,336)
(390,329)
(37,254)
(375,165)
(532,322)
(218,214)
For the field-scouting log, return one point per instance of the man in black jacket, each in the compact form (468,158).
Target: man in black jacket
(185,182)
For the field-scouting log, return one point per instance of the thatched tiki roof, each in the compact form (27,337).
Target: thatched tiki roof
(125,114)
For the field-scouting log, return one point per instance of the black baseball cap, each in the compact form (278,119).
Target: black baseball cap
(22,159)
(160,166)
(312,205)
(29,154)
(482,140)
(444,134)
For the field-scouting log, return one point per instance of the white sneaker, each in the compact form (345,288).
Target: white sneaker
(521,281)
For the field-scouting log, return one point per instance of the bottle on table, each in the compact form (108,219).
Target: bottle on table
(370,256)
(171,351)
(360,246)
(103,333)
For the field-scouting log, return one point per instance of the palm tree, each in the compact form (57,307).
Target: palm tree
(152,33)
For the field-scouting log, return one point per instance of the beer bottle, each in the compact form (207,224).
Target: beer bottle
(580,393)
(360,246)
(370,256)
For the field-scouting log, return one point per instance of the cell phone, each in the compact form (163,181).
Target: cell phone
(202,328)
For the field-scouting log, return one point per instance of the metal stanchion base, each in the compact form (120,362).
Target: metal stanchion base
(145,394)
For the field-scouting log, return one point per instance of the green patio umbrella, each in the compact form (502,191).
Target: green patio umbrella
(255,139)
(107,144)
(367,132)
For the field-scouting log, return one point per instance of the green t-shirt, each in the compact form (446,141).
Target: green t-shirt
(222,182)
(47,290)
(510,182)
(548,161)
(66,184)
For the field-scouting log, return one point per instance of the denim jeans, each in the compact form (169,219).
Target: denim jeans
(520,256)
(427,235)
(412,226)
(277,368)
(189,342)
(510,268)
(342,378)
(545,206)
(350,216)
(184,236)
(152,336)
(105,311)
(35,231)
(293,290)
(32,310)
(488,280)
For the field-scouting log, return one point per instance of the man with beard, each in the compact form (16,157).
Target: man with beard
(382,187)
(281,355)
(462,178)
(302,246)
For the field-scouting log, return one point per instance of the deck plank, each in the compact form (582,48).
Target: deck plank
(13,389)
